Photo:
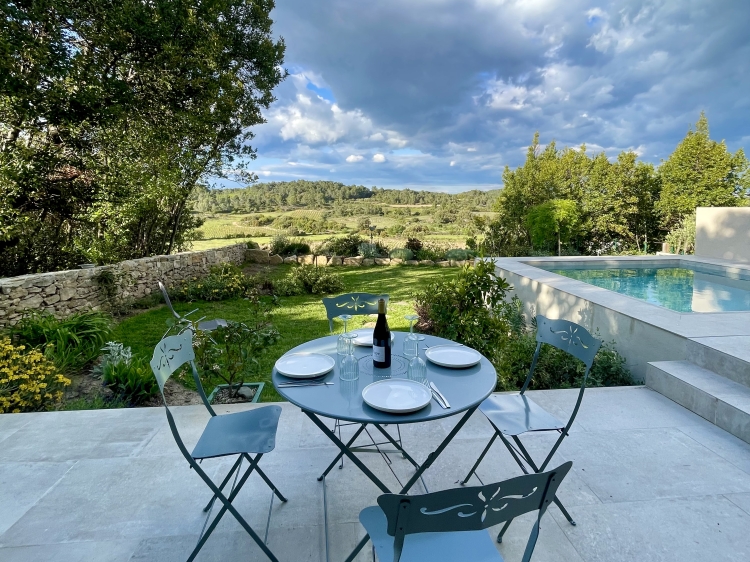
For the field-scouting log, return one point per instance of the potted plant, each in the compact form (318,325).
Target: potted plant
(230,354)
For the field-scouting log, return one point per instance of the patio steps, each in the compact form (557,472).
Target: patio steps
(721,401)
(728,356)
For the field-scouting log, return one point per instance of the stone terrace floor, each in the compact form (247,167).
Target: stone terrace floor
(650,481)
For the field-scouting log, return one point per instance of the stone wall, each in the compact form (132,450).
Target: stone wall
(262,256)
(66,292)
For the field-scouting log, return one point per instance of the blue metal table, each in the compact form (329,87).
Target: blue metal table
(465,390)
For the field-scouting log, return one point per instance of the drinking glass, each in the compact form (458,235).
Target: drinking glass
(412,318)
(411,344)
(417,371)
(349,364)
(343,345)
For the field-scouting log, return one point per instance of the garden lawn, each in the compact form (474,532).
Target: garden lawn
(298,319)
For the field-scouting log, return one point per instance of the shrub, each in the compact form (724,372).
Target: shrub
(413,244)
(132,381)
(402,254)
(432,251)
(346,246)
(29,382)
(251,245)
(457,254)
(286,246)
(308,279)
(225,281)
(466,309)
(230,354)
(69,343)
(681,239)
(376,250)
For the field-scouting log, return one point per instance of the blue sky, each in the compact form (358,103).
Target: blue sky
(442,94)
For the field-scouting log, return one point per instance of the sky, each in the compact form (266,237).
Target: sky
(442,94)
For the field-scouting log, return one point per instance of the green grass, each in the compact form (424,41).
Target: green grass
(298,319)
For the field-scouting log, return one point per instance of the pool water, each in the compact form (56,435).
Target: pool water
(675,288)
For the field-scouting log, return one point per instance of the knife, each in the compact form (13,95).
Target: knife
(438,400)
(440,394)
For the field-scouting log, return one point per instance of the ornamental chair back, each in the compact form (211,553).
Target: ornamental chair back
(512,415)
(183,322)
(351,303)
(460,513)
(250,432)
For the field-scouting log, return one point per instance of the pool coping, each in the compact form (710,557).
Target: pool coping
(689,325)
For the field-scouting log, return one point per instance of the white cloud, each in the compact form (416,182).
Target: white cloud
(354,158)
(453,162)
(378,158)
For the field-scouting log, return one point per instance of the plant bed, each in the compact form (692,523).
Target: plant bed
(222,395)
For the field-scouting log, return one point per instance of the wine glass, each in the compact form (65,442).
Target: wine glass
(417,371)
(342,346)
(349,364)
(412,318)
(410,346)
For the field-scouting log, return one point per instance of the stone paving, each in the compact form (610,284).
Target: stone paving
(651,481)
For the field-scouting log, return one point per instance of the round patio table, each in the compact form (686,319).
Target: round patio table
(463,388)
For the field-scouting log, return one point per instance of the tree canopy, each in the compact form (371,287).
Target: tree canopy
(112,112)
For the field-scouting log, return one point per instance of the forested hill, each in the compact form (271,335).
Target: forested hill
(271,196)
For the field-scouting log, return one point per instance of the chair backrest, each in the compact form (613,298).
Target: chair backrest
(352,303)
(168,301)
(170,354)
(472,508)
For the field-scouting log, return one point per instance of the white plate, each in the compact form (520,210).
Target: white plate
(453,356)
(364,337)
(397,396)
(304,365)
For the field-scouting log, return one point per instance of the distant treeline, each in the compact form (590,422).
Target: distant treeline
(276,196)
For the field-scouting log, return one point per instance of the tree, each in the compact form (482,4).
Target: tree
(556,219)
(701,173)
(112,112)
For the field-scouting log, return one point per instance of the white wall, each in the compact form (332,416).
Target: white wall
(723,232)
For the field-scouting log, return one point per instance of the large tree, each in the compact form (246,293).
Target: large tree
(701,173)
(113,111)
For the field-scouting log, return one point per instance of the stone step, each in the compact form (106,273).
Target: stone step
(728,356)
(721,401)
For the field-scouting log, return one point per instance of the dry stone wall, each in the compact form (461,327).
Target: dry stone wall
(263,256)
(65,292)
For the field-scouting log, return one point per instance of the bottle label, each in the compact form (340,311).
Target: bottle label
(378,354)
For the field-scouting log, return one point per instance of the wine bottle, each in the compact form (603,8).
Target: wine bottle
(381,340)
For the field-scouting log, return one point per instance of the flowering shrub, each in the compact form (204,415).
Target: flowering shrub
(225,281)
(29,382)
(308,280)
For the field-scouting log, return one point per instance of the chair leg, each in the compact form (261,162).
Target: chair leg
(265,478)
(502,531)
(227,506)
(479,460)
(237,465)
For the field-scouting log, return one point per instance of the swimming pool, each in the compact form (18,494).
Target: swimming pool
(682,289)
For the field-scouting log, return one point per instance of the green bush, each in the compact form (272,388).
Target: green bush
(224,281)
(376,250)
(252,245)
(457,254)
(286,246)
(310,280)
(402,254)
(132,381)
(69,343)
(346,246)
(467,308)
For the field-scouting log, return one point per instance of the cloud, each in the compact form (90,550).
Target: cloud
(468,82)
(354,158)
(378,158)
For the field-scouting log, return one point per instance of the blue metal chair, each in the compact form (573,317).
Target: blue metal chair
(252,432)
(352,303)
(450,525)
(183,322)
(512,415)
(357,304)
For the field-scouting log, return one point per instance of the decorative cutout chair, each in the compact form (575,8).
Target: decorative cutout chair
(512,415)
(450,525)
(252,432)
(355,304)
(184,322)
